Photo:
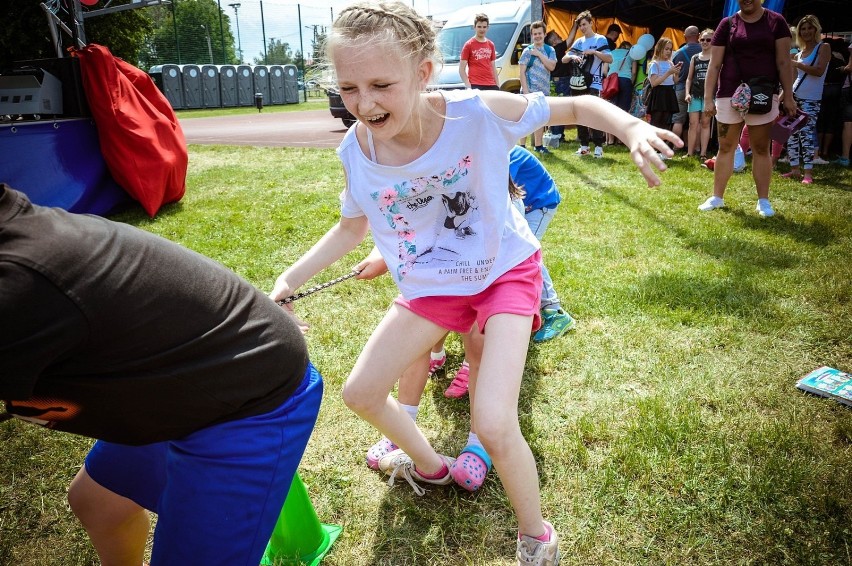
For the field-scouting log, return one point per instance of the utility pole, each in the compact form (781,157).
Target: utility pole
(236,6)
(209,45)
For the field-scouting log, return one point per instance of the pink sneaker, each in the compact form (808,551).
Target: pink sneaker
(458,387)
(378,451)
(435,365)
(471,467)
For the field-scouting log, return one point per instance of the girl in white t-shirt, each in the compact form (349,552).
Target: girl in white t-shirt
(426,174)
(663,74)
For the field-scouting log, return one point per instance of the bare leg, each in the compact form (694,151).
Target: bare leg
(495,416)
(692,134)
(413,381)
(401,338)
(729,137)
(117,527)
(705,133)
(538,135)
(761,161)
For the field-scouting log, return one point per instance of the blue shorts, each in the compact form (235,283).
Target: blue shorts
(217,492)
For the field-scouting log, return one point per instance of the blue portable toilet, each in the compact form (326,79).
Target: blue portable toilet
(192,92)
(291,84)
(245,85)
(276,84)
(261,82)
(228,85)
(168,79)
(211,95)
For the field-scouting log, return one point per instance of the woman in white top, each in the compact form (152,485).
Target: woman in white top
(810,64)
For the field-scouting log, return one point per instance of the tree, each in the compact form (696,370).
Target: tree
(26,34)
(180,32)
(277,53)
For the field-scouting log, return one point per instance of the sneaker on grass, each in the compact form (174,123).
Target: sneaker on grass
(400,464)
(711,203)
(458,387)
(764,209)
(437,363)
(534,552)
(598,152)
(554,323)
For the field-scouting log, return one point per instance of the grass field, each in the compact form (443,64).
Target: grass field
(666,428)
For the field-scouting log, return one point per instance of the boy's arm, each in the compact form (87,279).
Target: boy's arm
(337,242)
(463,72)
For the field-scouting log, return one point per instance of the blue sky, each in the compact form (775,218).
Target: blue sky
(281,19)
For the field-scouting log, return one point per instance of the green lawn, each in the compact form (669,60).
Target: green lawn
(666,428)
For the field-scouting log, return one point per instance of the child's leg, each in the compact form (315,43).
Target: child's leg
(400,339)
(413,381)
(494,412)
(117,527)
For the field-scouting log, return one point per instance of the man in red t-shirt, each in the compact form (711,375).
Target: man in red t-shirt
(477,66)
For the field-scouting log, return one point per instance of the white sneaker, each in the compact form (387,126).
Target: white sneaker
(819,161)
(712,203)
(764,208)
(533,552)
(599,151)
(400,464)
(583,150)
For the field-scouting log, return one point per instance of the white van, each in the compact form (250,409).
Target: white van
(508,29)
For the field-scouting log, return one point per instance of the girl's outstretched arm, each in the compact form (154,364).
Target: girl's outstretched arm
(642,139)
(337,242)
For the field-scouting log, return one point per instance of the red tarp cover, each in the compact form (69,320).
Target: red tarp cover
(140,137)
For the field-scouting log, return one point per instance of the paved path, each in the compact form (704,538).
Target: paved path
(308,128)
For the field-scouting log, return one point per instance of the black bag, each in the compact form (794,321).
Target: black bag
(580,76)
(646,92)
(762,90)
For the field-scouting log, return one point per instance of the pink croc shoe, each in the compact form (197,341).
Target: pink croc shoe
(458,387)
(378,451)
(471,467)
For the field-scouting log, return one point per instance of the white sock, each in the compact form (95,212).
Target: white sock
(411,410)
(473,440)
(437,355)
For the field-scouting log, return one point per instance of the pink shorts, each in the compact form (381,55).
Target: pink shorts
(518,291)
(725,113)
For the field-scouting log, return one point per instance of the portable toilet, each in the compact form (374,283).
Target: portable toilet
(192,91)
(168,79)
(211,96)
(245,85)
(260,74)
(228,85)
(291,85)
(276,84)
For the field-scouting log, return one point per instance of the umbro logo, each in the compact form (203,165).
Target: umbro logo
(761,98)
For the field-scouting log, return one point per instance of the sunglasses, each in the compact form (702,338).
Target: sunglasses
(704,40)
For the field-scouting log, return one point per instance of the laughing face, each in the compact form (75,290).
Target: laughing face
(380,88)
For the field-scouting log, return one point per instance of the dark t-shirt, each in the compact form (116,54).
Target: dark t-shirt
(683,55)
(114,333)
(561,69)
(754,47)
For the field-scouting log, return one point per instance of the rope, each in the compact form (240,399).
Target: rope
(319,287)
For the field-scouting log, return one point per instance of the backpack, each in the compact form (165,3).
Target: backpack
(580,76)
(645,93)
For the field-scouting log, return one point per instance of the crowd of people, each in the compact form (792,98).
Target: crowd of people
(692,86)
